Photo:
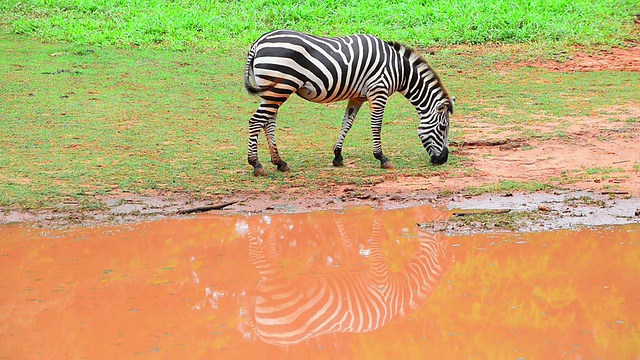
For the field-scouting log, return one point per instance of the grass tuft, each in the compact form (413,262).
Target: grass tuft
(508,187)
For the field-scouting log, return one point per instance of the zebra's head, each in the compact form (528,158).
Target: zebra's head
(434,129)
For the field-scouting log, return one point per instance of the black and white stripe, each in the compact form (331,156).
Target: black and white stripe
(356,68)
(287,311)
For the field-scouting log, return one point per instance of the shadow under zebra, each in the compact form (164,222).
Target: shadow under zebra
(286,310)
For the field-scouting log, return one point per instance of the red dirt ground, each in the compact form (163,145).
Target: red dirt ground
(596,154)
(615,59)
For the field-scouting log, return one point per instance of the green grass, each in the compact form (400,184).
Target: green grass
(226,24)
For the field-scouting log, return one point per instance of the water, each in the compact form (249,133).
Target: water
(359,284)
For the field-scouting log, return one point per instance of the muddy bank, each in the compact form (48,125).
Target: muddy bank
(517,211)
(542,211)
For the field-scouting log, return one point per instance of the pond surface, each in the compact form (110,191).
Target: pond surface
(361,283)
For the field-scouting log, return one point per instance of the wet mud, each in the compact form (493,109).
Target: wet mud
(561,209)
(548,211)
(351,283)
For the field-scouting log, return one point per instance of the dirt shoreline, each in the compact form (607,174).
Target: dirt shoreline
(561,209)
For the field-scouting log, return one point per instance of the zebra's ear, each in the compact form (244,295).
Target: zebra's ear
(450,104)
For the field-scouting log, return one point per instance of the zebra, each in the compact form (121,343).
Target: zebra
(289,311)
(356,68)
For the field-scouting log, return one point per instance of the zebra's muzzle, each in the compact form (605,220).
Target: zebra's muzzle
(442,158)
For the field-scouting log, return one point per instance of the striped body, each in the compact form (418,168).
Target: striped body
(291,311)
(356,68)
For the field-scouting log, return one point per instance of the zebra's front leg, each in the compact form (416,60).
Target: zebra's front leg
(270,131)
(350,114)
(377,112)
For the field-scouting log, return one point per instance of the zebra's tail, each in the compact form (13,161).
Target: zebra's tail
(248,73)
(249,77)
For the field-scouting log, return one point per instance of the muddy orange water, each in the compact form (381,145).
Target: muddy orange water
(358,284)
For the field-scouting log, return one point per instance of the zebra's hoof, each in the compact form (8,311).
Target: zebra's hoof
(387,165)
(283,166)
(259,172)
(338,162)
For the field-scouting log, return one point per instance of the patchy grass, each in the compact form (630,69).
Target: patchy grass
(506,187)
(82,120)
(596,174)
(529,96)
(602,170)
(511,221)
(585,200)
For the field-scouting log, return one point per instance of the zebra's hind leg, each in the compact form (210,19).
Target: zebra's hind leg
(252,158)
(259,120)
(350,114)
(270,131)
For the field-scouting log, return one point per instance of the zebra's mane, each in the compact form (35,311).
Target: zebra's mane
(419,62)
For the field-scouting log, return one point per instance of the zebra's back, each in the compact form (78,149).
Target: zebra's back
(319,69)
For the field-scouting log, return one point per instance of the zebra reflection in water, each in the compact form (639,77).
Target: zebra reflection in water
(288,311)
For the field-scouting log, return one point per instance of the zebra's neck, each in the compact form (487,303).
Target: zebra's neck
(420,84)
